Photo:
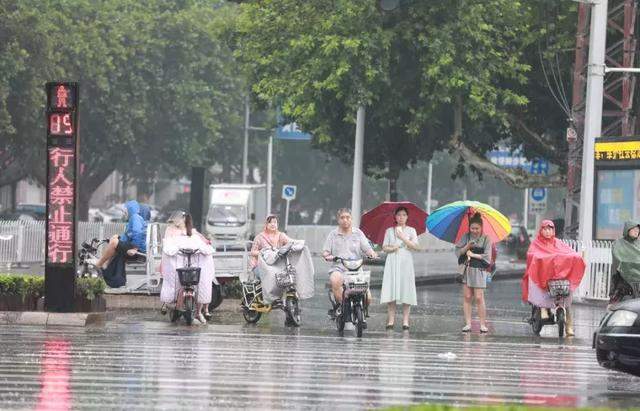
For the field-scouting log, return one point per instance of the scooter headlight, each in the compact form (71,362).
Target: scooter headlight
(352,265)
(622,318)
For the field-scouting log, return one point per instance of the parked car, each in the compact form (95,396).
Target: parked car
(617,339)
(517,242)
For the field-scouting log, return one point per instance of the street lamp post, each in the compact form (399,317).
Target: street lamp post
(356,194)
(245,149)
(593,114)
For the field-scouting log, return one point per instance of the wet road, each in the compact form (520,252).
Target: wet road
(139,360)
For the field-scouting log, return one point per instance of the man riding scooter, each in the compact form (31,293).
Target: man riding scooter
(347,243)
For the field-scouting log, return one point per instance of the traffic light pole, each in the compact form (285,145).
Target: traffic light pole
(593,115)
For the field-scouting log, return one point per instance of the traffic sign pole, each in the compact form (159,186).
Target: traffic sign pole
(288,193)
(286,216)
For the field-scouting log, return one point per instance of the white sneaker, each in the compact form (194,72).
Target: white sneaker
(201,318)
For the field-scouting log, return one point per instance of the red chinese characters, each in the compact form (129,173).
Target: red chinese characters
(61,191)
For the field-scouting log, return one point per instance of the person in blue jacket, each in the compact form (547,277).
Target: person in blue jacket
(132,241)
(145,213)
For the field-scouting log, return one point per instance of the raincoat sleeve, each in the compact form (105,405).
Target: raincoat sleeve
(133,230)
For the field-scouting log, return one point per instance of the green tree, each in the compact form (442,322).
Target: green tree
(158,85)
(423,71)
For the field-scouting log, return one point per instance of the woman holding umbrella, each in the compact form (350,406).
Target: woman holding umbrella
(474,257)
(398,282)
(396,225)
(473,227)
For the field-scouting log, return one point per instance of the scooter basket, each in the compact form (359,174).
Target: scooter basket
(285,279)
(189,276)
(252,287)
(559,288)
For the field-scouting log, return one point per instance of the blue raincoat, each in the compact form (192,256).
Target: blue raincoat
(145,212)
(136,231)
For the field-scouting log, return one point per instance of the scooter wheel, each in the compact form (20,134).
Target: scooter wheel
(216,297)
(251,316)
(188,317)
(561,321)
(174,315)
(536,320)
(340,323)
(360,321)
(292,311)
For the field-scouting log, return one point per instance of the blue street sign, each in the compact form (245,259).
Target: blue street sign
(290,131)
(289,192)
(515,159)
(538,194)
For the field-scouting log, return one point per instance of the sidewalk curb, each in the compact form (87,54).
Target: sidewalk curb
(51,319)
(117,302)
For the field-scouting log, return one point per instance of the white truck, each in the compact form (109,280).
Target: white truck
(236,212)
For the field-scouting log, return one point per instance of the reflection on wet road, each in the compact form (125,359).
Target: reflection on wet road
(140,361)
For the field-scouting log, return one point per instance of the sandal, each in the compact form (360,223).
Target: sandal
(484,329)
(389,326)
(466,329)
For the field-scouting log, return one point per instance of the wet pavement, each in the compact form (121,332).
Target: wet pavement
(138,360)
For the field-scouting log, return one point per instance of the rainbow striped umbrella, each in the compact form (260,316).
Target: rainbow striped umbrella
(450,222)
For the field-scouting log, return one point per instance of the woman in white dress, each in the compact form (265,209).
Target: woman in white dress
(398,282)
(181,234)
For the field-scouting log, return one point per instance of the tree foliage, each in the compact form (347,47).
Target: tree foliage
(413,69)
(159,87)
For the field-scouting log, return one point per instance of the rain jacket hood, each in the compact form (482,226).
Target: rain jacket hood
(551,259)
(626,254)
(136,231)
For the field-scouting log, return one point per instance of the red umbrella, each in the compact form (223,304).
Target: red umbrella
(375,222)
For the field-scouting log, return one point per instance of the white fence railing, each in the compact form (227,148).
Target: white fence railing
(597,277)
(23,243)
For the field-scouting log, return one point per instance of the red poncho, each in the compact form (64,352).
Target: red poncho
(551,259)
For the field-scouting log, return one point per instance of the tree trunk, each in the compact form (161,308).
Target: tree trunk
(14,195)
(393,175)
(88,183)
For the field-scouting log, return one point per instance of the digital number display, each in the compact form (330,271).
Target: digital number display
(60,124)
